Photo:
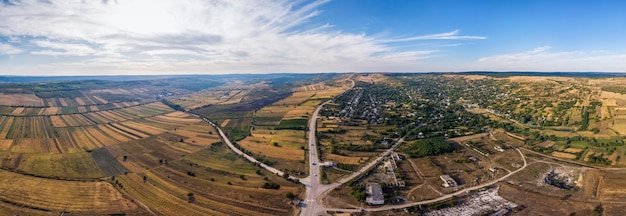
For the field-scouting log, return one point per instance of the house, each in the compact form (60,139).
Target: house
(374,195)
(448,181)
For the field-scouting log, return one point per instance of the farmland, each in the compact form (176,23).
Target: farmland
(141,146)
(103,146)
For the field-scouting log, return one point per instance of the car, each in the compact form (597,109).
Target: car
(314,164)
(315,174)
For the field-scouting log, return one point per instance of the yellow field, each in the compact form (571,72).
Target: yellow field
(328,93)
(5,144)
(112,133)
(289,141)
(82,109)
(620,126)
(20,100)
(18,111)
(296,98)
(573,150)
(105,138)
(80,101)
(51,111)
(563,155)
(68,196)
(143,128)
(103,101)
(224,123)
(343,159)
(371,78)
(132,131)
(300,112)
(93,108)
(29,145)
(196,138)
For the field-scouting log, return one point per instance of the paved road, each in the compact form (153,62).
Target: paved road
(312,182)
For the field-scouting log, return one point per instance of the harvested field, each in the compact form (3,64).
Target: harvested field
(114,134)
(63,196)
(5,144)
(224,123)
(269,150)
(547,144)
(142,128)
(80,101)
(57,121)
(93,108)
(129,130)
(563,155)
(17,111)
(573,150)
(20,100)
(62,102)
(99,99)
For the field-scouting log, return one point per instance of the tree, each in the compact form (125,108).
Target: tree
(290,195)
(190,197)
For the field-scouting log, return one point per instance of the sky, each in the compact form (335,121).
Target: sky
(134,37)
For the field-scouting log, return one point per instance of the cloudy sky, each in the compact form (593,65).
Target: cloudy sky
(94,37)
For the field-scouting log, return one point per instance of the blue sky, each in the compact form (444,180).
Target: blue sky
(63,37)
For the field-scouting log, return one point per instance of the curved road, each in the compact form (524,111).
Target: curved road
(239,152)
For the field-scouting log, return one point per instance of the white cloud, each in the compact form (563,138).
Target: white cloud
(453,35)
(542,59)
(190,36)
(62,49)
(7,49)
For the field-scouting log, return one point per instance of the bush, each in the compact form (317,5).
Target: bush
(425,147)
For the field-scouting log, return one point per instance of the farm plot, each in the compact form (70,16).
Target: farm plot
(49,111)
(20,100)
(6,110)
(146,129)
(31,127)
(84,139)
(113,117)
(301,111)
(146,110)
(271,115)
(145,154)
(29,145)
(6,123)
(202,98)
(128,130)
(79,165)
(197,135)
(63,196)
(17,111)
(107,162)
(75,120)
